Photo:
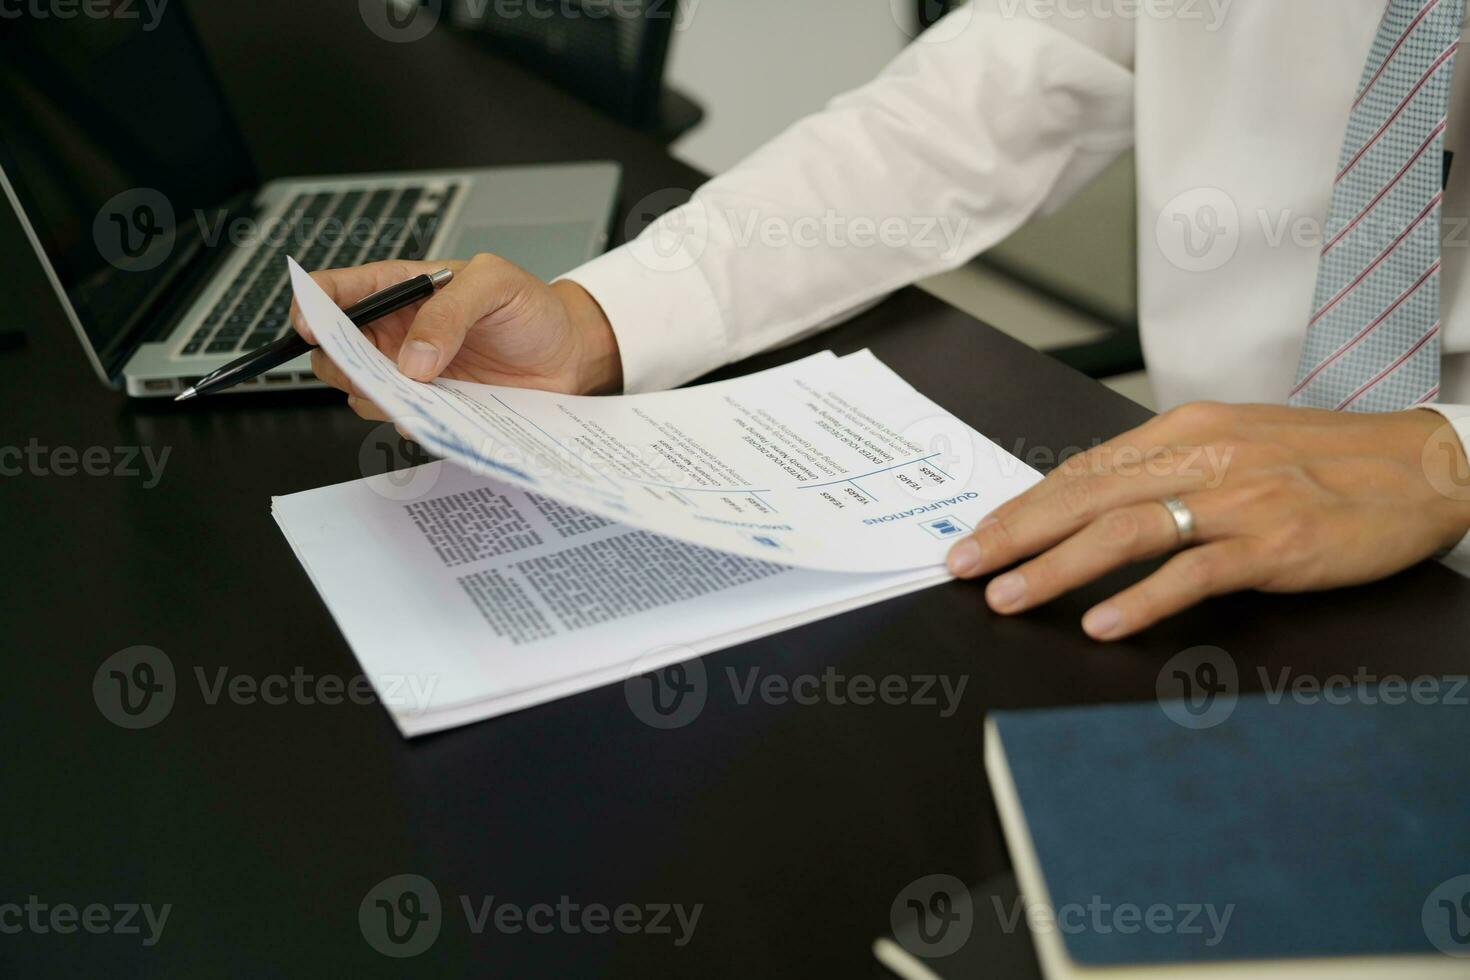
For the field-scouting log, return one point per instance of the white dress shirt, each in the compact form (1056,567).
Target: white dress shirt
(1236,111)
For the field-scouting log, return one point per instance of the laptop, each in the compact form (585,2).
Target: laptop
(132,182)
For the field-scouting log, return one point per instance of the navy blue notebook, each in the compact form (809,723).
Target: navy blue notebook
(1325,830)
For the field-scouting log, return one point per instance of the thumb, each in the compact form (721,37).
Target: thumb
(439,329)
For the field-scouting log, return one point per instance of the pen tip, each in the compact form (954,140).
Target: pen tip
(186,395)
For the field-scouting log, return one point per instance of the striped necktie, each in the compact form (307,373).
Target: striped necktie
(1372,342)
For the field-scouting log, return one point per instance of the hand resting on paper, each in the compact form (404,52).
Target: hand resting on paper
(1283,499)
(494,323)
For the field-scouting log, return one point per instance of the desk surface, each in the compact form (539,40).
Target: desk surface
(264,826)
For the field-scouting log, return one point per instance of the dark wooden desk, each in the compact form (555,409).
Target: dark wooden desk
(265,826)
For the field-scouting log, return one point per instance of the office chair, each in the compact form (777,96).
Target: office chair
(608,54)
(1120,352)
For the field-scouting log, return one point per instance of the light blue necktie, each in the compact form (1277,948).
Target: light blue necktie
(1372,342)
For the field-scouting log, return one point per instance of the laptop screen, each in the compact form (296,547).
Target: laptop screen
(118,145)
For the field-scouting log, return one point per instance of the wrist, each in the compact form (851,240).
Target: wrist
(1446,466)
(597,364)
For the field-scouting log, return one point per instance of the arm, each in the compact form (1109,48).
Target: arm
(959,142)
(987,119)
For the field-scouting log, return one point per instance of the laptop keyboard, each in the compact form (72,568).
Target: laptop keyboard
(325,230)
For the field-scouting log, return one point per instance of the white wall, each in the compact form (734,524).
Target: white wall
(759,65)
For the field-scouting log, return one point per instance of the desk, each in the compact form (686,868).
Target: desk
(265,825)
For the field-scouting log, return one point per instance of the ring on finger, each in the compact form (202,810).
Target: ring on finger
(1183,519)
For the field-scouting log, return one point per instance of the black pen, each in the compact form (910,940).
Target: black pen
(291,346)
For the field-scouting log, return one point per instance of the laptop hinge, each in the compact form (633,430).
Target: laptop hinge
(191,270)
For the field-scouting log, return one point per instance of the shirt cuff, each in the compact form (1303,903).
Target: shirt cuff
(668,325)
(1459,417)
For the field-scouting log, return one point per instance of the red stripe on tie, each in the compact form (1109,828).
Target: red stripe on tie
(1384,193)
(1350,344)
(1438,63)
(1429,396)
(1390,369)
(1395,50)
(1433,203)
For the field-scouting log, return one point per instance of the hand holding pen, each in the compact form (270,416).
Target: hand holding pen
(383,303)
(494,323)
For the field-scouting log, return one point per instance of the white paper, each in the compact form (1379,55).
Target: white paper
(464,597)
(572,542)
(826,463)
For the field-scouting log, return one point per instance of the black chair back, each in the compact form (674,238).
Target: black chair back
(610,53)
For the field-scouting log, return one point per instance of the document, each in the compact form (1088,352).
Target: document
(476,598)
(565,542)
(827,463)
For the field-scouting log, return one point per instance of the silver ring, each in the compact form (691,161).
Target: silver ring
(1183,518)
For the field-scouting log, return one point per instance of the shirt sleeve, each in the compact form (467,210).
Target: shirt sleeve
(992,116)
(1458,416)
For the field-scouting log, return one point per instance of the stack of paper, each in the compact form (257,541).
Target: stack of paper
(570,542)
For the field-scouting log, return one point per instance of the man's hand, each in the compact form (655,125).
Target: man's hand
(1284,500)
(494,323)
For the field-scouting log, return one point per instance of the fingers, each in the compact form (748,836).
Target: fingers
(1171,454)
(371,411)
(485,286)
(1055,509)
(328,371)
(1128,534)
(347,286)
(1198,573)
